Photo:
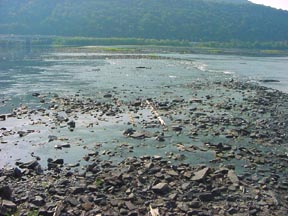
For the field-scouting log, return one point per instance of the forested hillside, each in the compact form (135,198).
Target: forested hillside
(192,20)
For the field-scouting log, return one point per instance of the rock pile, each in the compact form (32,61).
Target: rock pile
(137,185)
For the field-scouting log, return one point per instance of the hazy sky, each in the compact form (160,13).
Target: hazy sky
(280,4)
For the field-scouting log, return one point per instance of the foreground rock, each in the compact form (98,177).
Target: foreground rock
(129,189)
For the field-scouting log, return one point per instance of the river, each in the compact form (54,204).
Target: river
(162,77)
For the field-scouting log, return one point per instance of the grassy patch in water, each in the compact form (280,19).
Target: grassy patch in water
(273,52)
(115,49)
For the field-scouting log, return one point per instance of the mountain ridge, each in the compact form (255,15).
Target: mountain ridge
(192,20)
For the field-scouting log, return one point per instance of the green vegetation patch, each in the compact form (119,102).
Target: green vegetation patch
(88,41)
(273,52)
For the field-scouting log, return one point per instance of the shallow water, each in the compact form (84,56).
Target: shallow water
(242,67)
(126,78)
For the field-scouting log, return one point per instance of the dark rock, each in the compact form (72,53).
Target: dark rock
(153,170)
(177,128)
(195,204)
(129,132)
(77,190)
(139,135)
(269,80)
(216,191)
(17,173)
(3,117)
(52,165)
(108,95)
(66,145)
(161,188)
(143,67)
(36,94)
(157,158)
(22,133)
(59,161)
(232,210)
(92,188)
(178,100)
(52,138)
(5,192)
(195,100)
(38,169)
(194,212)
(28,165)
(73,165)
(93,153)
(73,201)
(64,182)
(231,198)
(86,158)
(253,211)
(71,124)
(43,212)
(58,147)
(160,138)
(206,197)
(38,201)
(136,103)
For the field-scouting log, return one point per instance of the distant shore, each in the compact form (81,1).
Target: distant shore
(249,48)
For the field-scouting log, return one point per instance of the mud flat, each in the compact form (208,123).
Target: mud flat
(220,148)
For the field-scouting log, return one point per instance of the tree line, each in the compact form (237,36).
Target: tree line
(181,20)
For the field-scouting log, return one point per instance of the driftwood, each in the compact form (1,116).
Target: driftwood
(153,110)
(132,121)
(154,212)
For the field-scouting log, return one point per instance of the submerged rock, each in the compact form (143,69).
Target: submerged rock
(108,95)
(269,80)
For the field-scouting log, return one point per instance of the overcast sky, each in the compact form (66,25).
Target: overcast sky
(280,4)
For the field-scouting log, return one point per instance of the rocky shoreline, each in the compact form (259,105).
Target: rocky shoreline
(137,187)
(247,129)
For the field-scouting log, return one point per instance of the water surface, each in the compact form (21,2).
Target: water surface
(127,77)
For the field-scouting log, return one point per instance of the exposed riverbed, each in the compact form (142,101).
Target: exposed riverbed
(84,107)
